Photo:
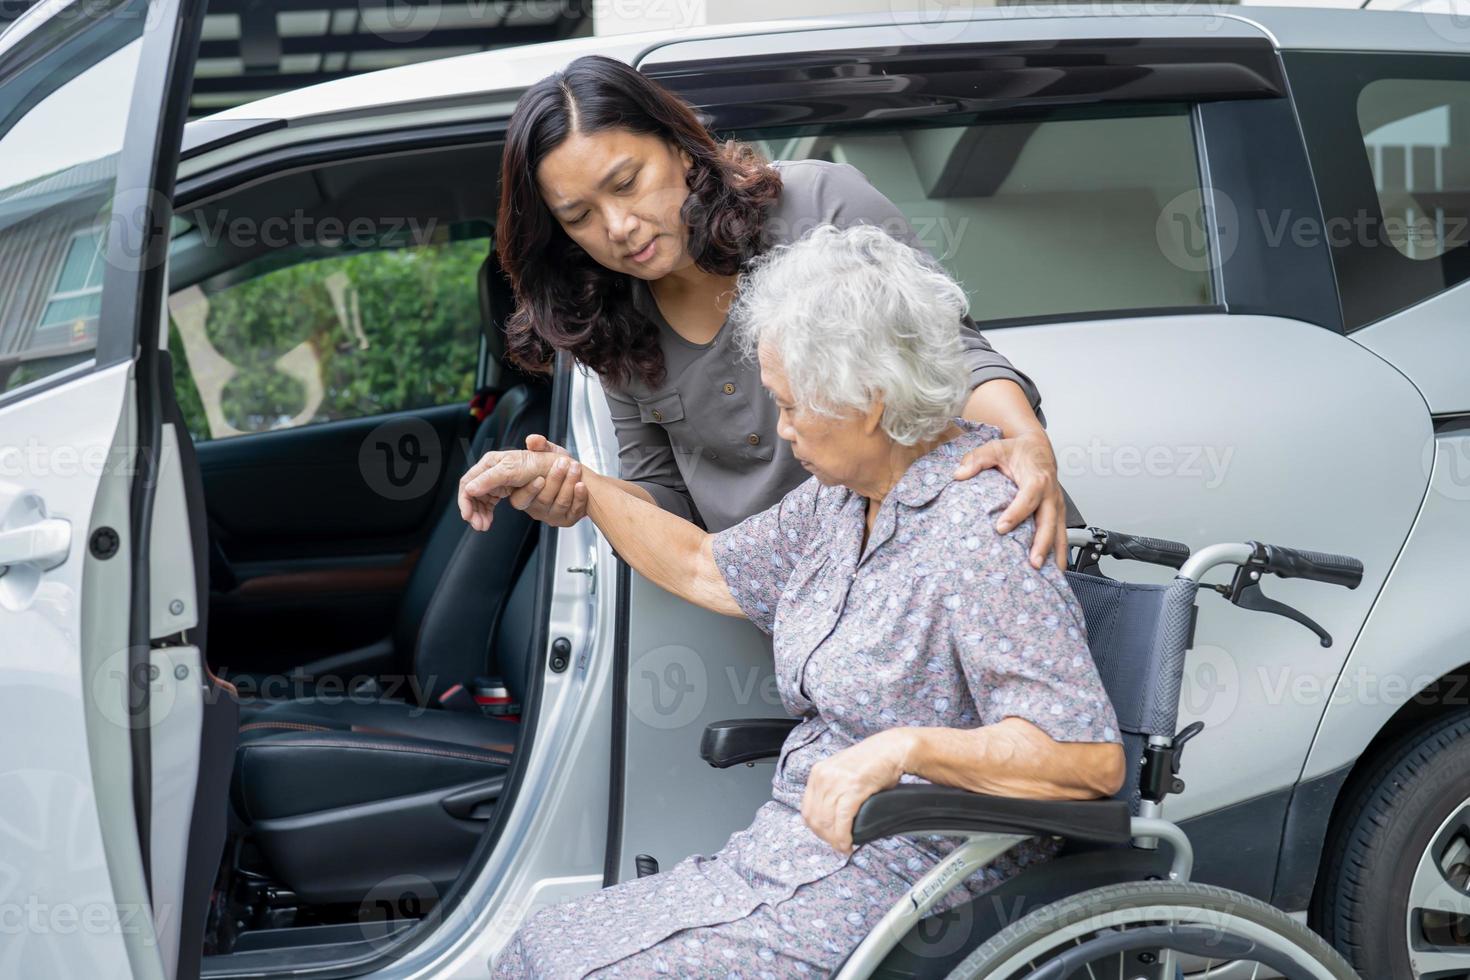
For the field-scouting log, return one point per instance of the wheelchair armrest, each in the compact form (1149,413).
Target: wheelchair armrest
(927,809)
(729,743)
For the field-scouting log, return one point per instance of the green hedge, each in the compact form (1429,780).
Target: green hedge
(419,309)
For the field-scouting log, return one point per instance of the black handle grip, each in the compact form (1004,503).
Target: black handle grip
(1318,566)
(1156,551)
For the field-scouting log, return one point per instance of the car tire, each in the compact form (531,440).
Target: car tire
(1386,824)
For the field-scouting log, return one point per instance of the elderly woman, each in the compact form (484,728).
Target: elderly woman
(915,642)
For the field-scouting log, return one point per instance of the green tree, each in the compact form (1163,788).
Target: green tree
(419,311)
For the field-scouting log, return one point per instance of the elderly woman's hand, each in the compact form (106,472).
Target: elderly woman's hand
(562,500)
(840,783)
(1030,463)
(499,475)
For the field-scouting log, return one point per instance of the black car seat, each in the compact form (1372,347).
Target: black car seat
(459,582)
(342,791)
(341,796)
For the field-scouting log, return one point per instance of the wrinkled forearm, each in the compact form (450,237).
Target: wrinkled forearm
(1013,758)
(665,549)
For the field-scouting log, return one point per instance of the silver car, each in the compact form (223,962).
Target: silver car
(1228,244)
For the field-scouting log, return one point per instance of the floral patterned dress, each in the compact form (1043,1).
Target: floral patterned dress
(941,622)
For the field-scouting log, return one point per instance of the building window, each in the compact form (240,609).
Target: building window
(69,318)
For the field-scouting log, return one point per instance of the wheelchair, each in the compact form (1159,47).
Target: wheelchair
(1113,904)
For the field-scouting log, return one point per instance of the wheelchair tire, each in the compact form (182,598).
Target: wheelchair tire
(1016,950)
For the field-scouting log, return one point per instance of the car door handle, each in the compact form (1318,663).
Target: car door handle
(45,544)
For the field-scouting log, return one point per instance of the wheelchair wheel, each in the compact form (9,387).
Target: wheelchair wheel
(1123,931)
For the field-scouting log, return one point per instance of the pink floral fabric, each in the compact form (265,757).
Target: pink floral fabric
(939,621)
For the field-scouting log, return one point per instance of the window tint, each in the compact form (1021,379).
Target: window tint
(306,336)
(1420,160)
(63,113)
(1389,140)
(1043,218)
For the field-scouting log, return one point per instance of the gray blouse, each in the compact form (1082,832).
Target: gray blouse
(704,442)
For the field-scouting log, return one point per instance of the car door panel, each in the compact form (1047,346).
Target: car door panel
(60,682)
(91,107)
(1428,342)
(1239,427)
(318,529)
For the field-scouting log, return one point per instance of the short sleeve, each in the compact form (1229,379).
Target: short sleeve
(756,556)
(1019,633)
(646,458)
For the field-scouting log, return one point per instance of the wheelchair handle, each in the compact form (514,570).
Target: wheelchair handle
(1157,551)
(1128,547)
(1320,566)
(1277,560)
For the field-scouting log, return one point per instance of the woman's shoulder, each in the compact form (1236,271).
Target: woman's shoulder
(815,192)
(817,179)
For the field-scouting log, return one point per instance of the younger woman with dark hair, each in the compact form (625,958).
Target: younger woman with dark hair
(623,225)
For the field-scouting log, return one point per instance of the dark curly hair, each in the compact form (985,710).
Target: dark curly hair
(566,300)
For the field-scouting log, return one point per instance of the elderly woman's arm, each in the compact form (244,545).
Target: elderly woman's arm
(667,550)
(1009,758)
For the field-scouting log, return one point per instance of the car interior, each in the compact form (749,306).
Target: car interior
(371,650)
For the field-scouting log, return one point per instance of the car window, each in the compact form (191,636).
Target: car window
(1420,161)
(304,336)
(1389,139)
(1045,217)
(63,113)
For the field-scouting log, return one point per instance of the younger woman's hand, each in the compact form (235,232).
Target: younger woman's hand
(1030,463)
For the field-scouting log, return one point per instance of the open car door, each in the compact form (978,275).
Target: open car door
(92,101)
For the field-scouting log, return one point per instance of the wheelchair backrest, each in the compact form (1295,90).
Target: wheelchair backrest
(1138,634)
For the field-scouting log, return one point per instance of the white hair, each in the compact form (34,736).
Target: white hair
(855,315)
